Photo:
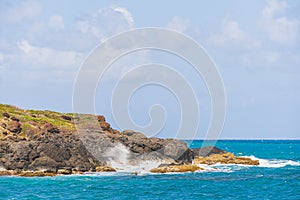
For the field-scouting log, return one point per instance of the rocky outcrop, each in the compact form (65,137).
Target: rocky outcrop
(176,168)
(207,151)
(225,158)
(139,144)
(45,143)
(105,169)
(49,152)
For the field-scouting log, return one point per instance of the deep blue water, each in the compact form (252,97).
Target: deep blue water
(277,178)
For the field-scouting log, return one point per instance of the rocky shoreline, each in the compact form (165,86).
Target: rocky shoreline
(47,143)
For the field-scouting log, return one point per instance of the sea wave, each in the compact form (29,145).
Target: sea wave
(274,163)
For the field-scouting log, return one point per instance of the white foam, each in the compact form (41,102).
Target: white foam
(214,168)
(119,159)
(274,163)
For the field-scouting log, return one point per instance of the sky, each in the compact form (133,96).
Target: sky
(254,44)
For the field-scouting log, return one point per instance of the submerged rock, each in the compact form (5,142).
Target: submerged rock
(176,168)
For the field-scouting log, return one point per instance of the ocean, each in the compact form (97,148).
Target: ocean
(277,177)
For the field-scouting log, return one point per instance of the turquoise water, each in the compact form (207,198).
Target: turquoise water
(277,178)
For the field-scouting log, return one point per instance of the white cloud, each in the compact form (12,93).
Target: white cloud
(127,15)
(280,29)
(42,57)
(179,24)
(106,22)
(56,23)
(14,13)
(231,35)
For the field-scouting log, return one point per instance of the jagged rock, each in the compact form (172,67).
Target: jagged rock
(104,126)
(81,143)
(175,149)
(225,158)
(176,168)
(54,151)
(207,151)
(140,144)
(44,163)
(101,118)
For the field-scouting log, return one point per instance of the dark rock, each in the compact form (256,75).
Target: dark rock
(6,115)
(66,118)
(3,125)
(101,118)
(53,130)
(140,144)
(207,151)
(15,119)
(53,151)
(45,163)
(14,126)
(105,126)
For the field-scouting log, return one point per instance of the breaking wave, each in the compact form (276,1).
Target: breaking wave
(274,163)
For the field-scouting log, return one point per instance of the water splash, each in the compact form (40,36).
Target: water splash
(119,157)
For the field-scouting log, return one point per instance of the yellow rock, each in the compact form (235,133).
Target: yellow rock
(7,173)
(105,169)
(64,171)
(176,168)
(226,158)
(36,173)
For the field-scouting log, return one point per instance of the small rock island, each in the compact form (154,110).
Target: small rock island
(48,143)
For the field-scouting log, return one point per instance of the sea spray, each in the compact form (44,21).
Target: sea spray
(120,158)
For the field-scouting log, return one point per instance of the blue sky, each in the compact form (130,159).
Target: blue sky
(255,45)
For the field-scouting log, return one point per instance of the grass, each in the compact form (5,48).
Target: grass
(34,118)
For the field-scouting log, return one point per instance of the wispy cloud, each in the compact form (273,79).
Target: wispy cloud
(179,24)
(127,15)
(232,36)
(281,29)
(12,12)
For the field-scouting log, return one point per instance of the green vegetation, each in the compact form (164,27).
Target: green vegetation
(32,119)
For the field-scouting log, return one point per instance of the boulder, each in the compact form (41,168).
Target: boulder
(44,163)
